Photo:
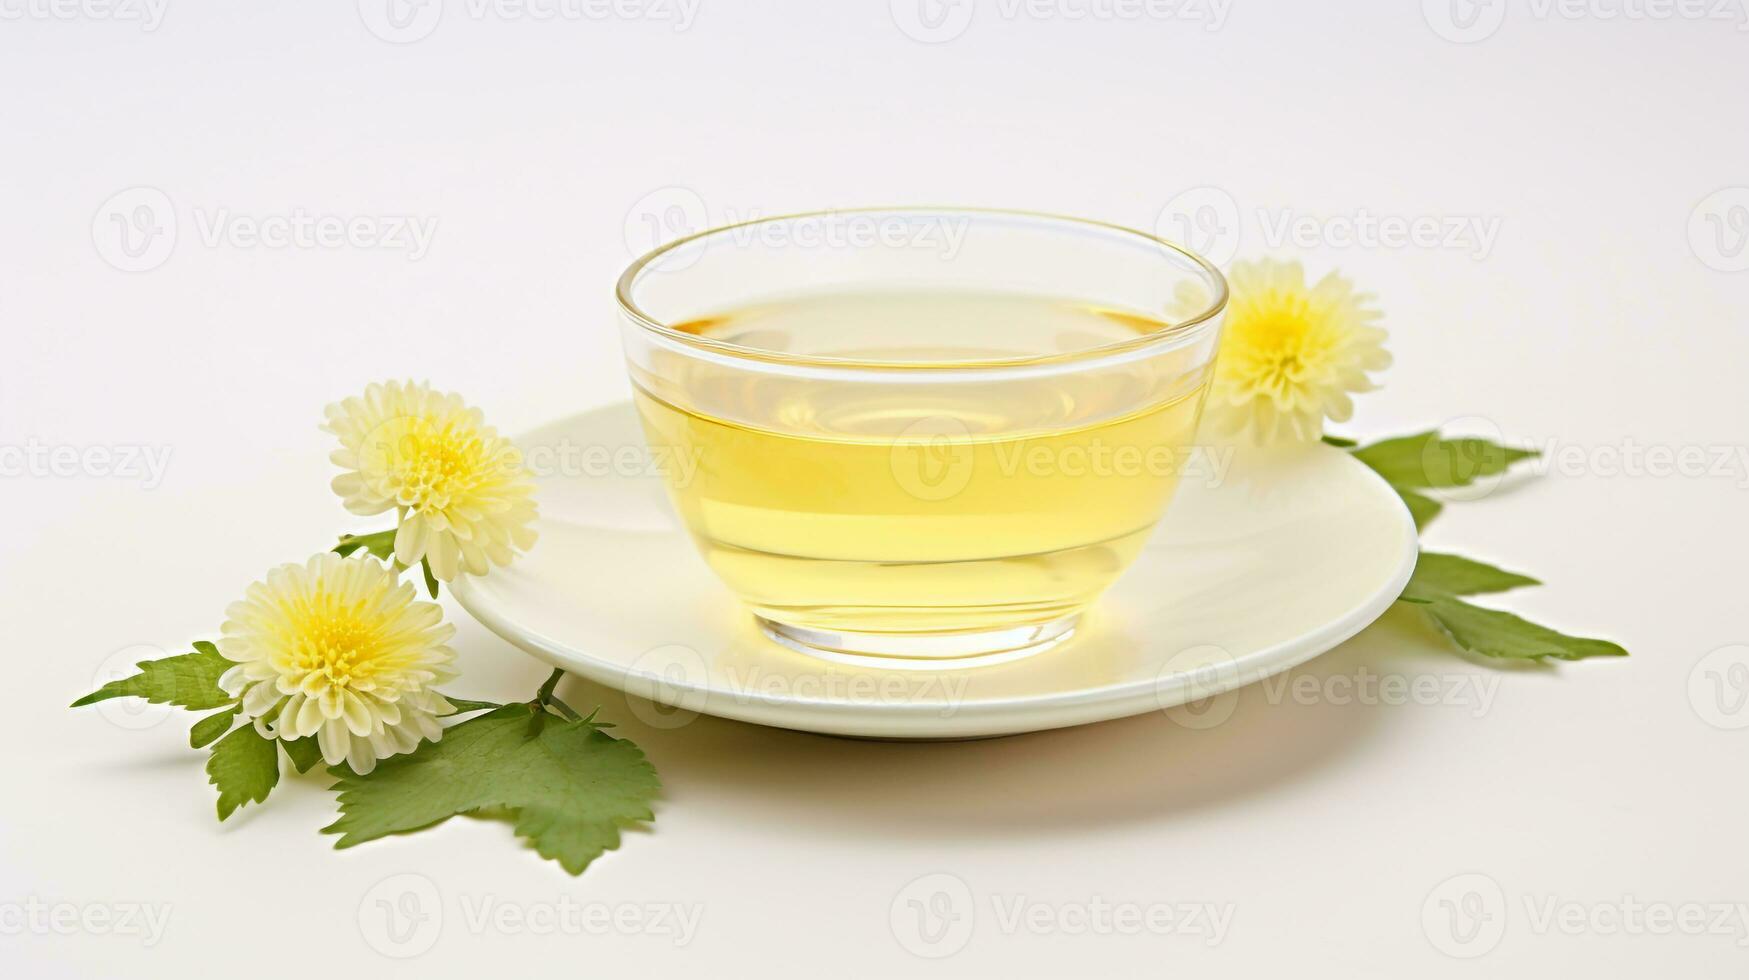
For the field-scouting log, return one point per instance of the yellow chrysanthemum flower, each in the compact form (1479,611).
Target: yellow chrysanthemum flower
(1291,354)
(341,649)
(460,491)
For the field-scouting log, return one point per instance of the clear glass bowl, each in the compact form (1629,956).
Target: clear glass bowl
(921,437)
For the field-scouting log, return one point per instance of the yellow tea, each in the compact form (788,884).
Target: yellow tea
(855,506)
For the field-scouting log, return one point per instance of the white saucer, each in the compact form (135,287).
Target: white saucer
(1287,555)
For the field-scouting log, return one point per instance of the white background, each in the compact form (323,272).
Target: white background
(1604,318)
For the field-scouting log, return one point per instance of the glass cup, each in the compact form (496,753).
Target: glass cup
(920,437)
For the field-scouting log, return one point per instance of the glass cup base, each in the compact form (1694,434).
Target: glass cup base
(922,651)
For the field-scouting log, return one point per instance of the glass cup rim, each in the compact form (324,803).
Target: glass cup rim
(1176,333)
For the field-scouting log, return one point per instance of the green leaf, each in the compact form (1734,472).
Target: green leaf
(1425,460)
(1340,442)
(462,705)
(1438,575)
(430,579)
(208,729)
(380,544)
(303,752)
(569,786)
(1494,633)
(188,680)
(245,767)
(1422,508)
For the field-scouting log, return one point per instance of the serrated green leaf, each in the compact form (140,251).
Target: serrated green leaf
(1494,633)
(304,753)
(187,680)
(245,768)
(209,729)
(1438,575)
(430,579)
(569,785)
(1425,460)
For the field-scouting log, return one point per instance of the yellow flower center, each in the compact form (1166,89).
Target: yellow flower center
(430,466)
(1282,337)
(334,640)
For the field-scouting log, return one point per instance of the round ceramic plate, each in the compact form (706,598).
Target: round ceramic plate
(1265,559)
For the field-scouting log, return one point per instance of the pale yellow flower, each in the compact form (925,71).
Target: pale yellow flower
(460,491)
(341,649)
(1291,354)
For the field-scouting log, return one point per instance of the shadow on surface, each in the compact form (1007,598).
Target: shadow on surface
(1135,769)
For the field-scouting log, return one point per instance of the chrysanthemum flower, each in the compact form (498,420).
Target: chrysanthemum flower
(341,649)
(1291,354)
(460,491)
